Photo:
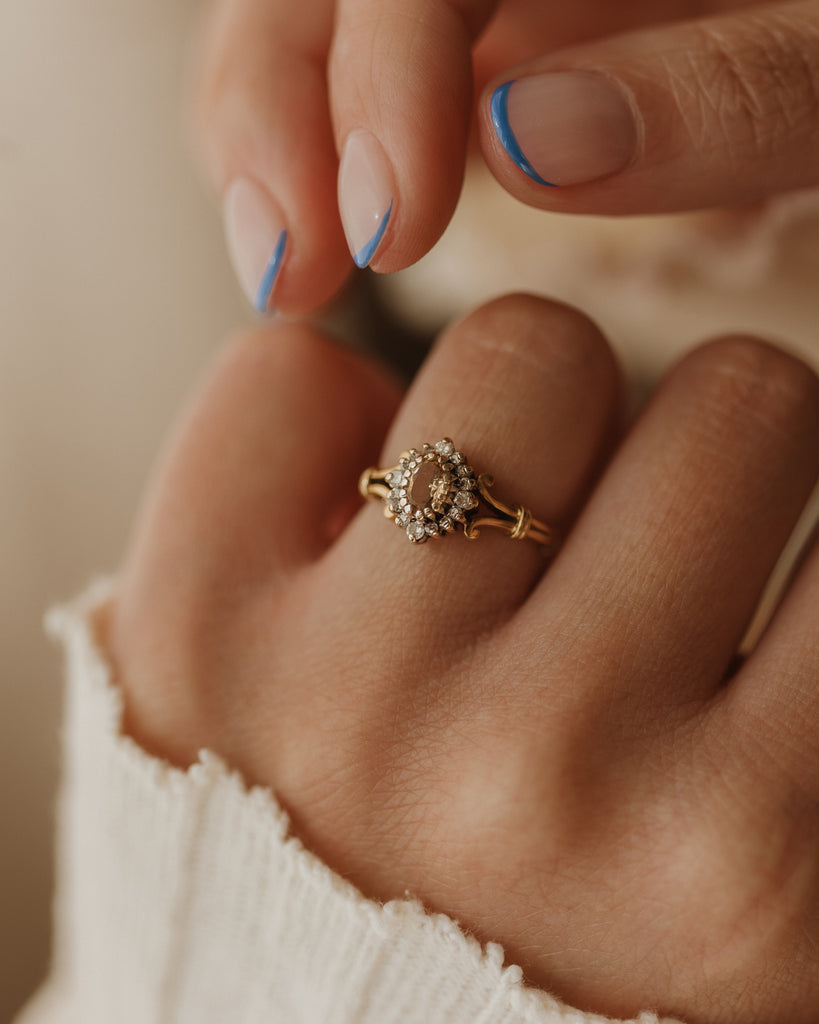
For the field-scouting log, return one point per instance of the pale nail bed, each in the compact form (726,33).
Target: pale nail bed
(365,195)
(256,239)
(566,127)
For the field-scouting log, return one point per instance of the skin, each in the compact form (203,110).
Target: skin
(556,754)
(724,96)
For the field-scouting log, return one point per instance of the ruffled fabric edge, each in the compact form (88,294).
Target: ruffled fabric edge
(225,882)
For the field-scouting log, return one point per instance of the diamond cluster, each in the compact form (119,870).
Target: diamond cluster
(433,490)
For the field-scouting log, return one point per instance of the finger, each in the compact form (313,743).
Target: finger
(264,127)
(668,561)
(401,87)
(246,494)
(263,461)
(705,113)
(521,31)
(529,391)
(772,707)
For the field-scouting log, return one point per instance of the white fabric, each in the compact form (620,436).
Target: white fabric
(183,899)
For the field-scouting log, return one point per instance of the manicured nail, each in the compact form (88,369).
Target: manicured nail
(565,128)
(256,239)
(365,195)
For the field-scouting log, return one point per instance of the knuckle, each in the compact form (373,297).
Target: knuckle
(541,334)
(757,85)
(748,380)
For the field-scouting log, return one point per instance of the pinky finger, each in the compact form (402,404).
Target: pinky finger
(774,701)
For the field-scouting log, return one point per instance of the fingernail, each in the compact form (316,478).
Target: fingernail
(256,239)
(565,128)
(365,195)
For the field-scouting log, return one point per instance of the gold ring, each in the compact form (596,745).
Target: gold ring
(433,491)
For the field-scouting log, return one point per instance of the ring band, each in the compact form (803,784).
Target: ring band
(433,490)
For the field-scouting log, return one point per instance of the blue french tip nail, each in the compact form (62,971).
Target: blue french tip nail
(271,273)
(366,252)
(499,108)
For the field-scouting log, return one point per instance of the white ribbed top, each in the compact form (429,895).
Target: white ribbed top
(182,898)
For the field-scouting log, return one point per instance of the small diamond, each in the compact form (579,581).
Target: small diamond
(464,470)
(396,500)
(417,531)
(432,529)
(465,499)
(456,458)
(394,478)
(445,447)
(403,520)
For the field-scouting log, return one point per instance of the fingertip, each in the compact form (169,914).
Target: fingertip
(394,211)
(401,122)
(544,133)
(256,239)
(287,263)
(288,257)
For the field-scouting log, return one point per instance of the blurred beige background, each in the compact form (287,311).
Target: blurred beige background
(114,290)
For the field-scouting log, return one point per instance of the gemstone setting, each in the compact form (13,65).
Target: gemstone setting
(432,490)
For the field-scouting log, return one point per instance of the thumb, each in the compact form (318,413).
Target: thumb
(716,112)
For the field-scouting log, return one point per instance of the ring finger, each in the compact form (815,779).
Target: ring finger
(529,391)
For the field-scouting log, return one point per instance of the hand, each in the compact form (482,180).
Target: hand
(549,753)
(667,115)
